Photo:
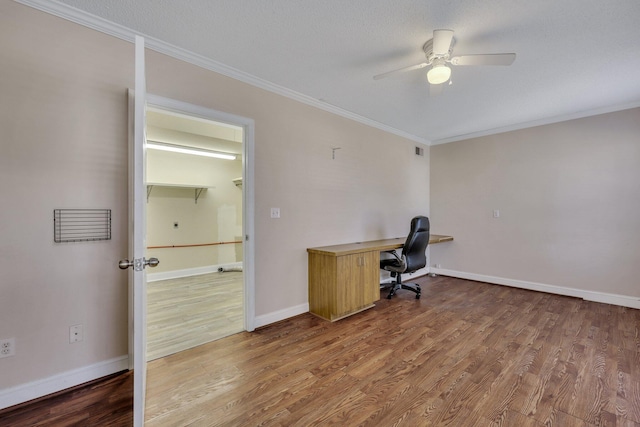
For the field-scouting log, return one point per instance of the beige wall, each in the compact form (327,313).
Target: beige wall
(63,118)
(569,201)
(63,144)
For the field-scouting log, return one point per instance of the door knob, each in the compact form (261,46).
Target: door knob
(124,264)
(138,264)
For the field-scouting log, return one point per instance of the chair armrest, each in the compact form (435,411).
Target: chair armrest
(395,254)
(401,262)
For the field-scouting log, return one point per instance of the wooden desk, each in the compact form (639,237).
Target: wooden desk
(345,279)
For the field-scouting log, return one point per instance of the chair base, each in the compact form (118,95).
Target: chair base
(408,287)
(397,285)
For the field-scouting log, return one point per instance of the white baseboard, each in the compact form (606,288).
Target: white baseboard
(279,315)
(615,299)
(175,274)
(33,390)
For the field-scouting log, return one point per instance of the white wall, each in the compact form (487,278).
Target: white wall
(216,217)
(569,201)
(63,122)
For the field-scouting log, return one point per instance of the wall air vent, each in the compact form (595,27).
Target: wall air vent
(81,225)
(419,151)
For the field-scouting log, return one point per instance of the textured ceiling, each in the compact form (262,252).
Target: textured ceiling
(574,57)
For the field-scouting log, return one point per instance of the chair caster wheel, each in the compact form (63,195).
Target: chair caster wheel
(388,296)
(418,296)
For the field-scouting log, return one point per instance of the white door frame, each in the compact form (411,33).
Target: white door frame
(248,126)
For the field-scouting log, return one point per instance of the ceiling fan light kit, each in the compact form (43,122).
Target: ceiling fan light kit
(438,52)
(438,74)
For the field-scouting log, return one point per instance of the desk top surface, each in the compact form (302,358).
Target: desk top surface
(372,245)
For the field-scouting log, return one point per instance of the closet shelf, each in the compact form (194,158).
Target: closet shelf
(198,189)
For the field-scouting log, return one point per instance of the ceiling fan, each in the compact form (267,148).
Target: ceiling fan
(438,52)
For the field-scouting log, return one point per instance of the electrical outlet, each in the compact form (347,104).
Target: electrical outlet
(75,334)
(275,212)
(7,347)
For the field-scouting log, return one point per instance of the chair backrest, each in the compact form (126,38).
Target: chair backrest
(415,246)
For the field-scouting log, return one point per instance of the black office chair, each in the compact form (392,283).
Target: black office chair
(413,257)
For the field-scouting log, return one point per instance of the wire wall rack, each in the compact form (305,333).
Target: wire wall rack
(81,225)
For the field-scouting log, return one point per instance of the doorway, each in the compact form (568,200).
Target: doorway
(197,226)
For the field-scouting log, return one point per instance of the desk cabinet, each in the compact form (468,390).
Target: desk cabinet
(341,285)
(345,279)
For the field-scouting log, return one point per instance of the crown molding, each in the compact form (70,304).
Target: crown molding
(102,25)
(540,122)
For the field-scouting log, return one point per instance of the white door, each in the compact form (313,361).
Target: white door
(137,233)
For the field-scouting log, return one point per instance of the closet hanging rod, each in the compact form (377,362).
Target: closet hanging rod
(194,245)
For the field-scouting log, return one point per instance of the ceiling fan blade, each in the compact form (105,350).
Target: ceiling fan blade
(486,59)
(400,70)
(442,41)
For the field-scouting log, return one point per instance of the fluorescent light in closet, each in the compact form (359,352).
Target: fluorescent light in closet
(154,145)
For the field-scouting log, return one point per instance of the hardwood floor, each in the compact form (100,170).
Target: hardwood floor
(466,354)
(187,312)
(104,402)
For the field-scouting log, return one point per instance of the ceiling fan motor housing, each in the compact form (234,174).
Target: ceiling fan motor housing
(427,48)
